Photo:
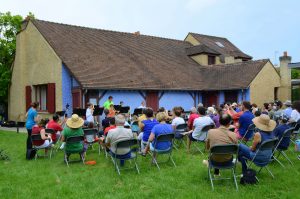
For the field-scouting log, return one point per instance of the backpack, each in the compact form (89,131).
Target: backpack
(249,177)
(30,154)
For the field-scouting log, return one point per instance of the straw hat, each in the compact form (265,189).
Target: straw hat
(264,123)
(75,121)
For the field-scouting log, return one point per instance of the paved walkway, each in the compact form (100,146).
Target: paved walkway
(21,129)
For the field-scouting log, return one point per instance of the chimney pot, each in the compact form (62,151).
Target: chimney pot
(285,54)
(137,33)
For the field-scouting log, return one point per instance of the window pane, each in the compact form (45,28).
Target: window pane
(44,97)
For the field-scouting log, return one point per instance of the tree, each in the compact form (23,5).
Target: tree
(295,74)
(9,27)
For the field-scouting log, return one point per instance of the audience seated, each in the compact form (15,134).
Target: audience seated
(112,125)
(280,129)
(105,121)
(265,126)
(159,129)
(221,136)
(192,117)
(288,110)
(39,128)
(53,124)
(245,121)
(118,134)
(295,115)
(197,134)
(142,118)
(73,128)
(279,111)
(146,127)
(212,113)
(176,112)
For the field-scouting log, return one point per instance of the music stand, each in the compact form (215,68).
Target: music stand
(138,111)
(60,113)
(117,107)
(98,111)
(124,109)
(80,112)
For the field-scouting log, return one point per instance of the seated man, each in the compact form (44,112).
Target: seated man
(53,124)
(280,129)
(197,134)
(221,136)
(118,134)
(245,121)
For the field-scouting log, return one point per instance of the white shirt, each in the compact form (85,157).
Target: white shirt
(199,123)
(142,106)
(295,115)
(177,120)
(89,115)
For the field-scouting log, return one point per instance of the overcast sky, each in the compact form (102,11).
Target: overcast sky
(261,28)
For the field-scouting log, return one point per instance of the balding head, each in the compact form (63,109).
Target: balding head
(120,120)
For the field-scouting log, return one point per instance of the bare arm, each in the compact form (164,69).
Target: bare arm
(44,135)
(151,138)
(256,140)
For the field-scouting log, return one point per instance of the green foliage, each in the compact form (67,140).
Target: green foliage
(295,74)
(295,94)
(9,27)
(51,178)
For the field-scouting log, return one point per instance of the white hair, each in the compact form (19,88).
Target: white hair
(120,119)
(193,110)
(210,110)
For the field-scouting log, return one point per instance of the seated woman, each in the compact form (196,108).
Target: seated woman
(146,127)
(73,128)
(159,129)
(265,126)
(39,128)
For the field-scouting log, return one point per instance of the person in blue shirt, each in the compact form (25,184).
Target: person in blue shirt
(159,129)
(279,130)
(31,118)
(146,127)
(245,121)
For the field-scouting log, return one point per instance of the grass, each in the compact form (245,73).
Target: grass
(45,178)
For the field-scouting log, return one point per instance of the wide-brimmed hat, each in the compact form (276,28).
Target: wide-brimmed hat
(288,103)
(75,121)
(264,123)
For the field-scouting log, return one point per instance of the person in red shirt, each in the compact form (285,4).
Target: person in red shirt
(112,125)
(54,124)
(192,117)
(37,129)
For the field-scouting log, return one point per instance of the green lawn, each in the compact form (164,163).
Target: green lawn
(45,178)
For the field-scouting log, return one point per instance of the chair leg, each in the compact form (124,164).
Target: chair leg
(66,159)
(210,178)
(269,172)
(278,162)
(154,157)
(234,178)
(286,157)
(99,149)
(136,167)
(82,157)
(172,161)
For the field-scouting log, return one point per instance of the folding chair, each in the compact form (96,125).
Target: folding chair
(154,154)
(181,128)
(57,143)
(205,130)
(90,135)
(286,135)
(250,130)
(74,140)
(227,149)
(37,137)
(134,147)
(295,132)
(266,146)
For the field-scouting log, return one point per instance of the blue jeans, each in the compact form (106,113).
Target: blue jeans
(121,157)
(245,154)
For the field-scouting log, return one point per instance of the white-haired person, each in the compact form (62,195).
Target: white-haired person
(118,134)
(194,114)
(159,129)
(214,115)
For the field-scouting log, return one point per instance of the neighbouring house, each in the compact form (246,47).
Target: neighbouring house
(59,65)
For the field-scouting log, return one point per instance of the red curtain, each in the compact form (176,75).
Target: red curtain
(152,100)
(51,98)
(28,97)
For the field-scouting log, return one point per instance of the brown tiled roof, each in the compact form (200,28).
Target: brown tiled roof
(200,49)
(228,49)
(104,59)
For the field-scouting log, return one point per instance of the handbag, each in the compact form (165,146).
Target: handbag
(249,177)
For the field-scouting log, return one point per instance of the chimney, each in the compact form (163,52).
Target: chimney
(137,33)
(285,77)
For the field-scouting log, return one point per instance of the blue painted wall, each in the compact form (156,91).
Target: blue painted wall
(240,96)
(247,94)
(221,97)
(171,99)
(66,90)
(74,83)
(130,98)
